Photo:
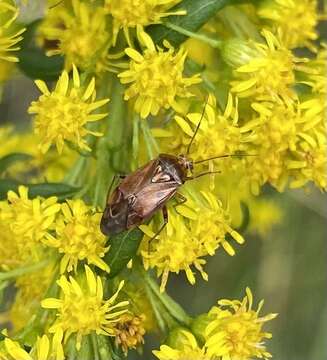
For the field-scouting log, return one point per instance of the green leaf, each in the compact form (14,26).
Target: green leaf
(10,159)
(198,13)
(62,191)
(34,62)
(123,248)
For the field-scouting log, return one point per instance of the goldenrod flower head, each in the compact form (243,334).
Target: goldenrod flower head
(194,230)
(129,14)
(82,309)
(310,161)
(129,331)
(78,236)
(289,145)
(235,330)
(218,134)
(156,77)
(188,349)
(62,115)
(269,74)
(30,218)
(296,19)
(42,350)
(314,74)
(75,29)
(9,35)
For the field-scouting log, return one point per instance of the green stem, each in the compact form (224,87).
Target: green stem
(157,311)
(104,347)
(95,346)
(169,305)
(175,310)
(212,42)
(150,142)
(110,147)
(24,270)
(73,176)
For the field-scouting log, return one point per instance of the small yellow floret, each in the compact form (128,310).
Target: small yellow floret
(82,310)
(296,19)
(156,78)
(9,35)
(62,115)
(194,230)
(130,14)
(78,236)
(235,330)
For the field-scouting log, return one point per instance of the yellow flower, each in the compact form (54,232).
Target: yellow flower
(25,223)
(235,330)
(42,350)
(156,77)
(80,32)
(219,134)
(268,70)
(194,230)
(296,19)
(82,310)
(129,331)
(310,161)
(188,349)
(78,236)
(9,35)
(290,145)
(315,73)
(128,14)
(30,219)
(62,115)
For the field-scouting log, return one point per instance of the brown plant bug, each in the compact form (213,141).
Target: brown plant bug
(142,193)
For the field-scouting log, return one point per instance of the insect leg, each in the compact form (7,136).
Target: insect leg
(165,218)
(202,174)
(180,199)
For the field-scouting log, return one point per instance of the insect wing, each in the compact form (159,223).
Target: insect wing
(150,199)
(114,218)
(138,179)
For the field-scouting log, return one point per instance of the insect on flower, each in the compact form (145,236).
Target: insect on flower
(142,193)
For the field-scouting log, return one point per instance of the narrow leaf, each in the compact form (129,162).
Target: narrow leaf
(8,160)
(62,191)
(34,62)
(123,248)
(198,13)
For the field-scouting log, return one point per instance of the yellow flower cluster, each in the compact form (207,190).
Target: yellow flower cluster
(62,115)
(82,309)
(190,235)
(243,104)
(156,77)
(29,221)
(231,330)
(36,225)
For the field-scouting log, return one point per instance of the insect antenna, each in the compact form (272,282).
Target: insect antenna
(197,127)
(222,156)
